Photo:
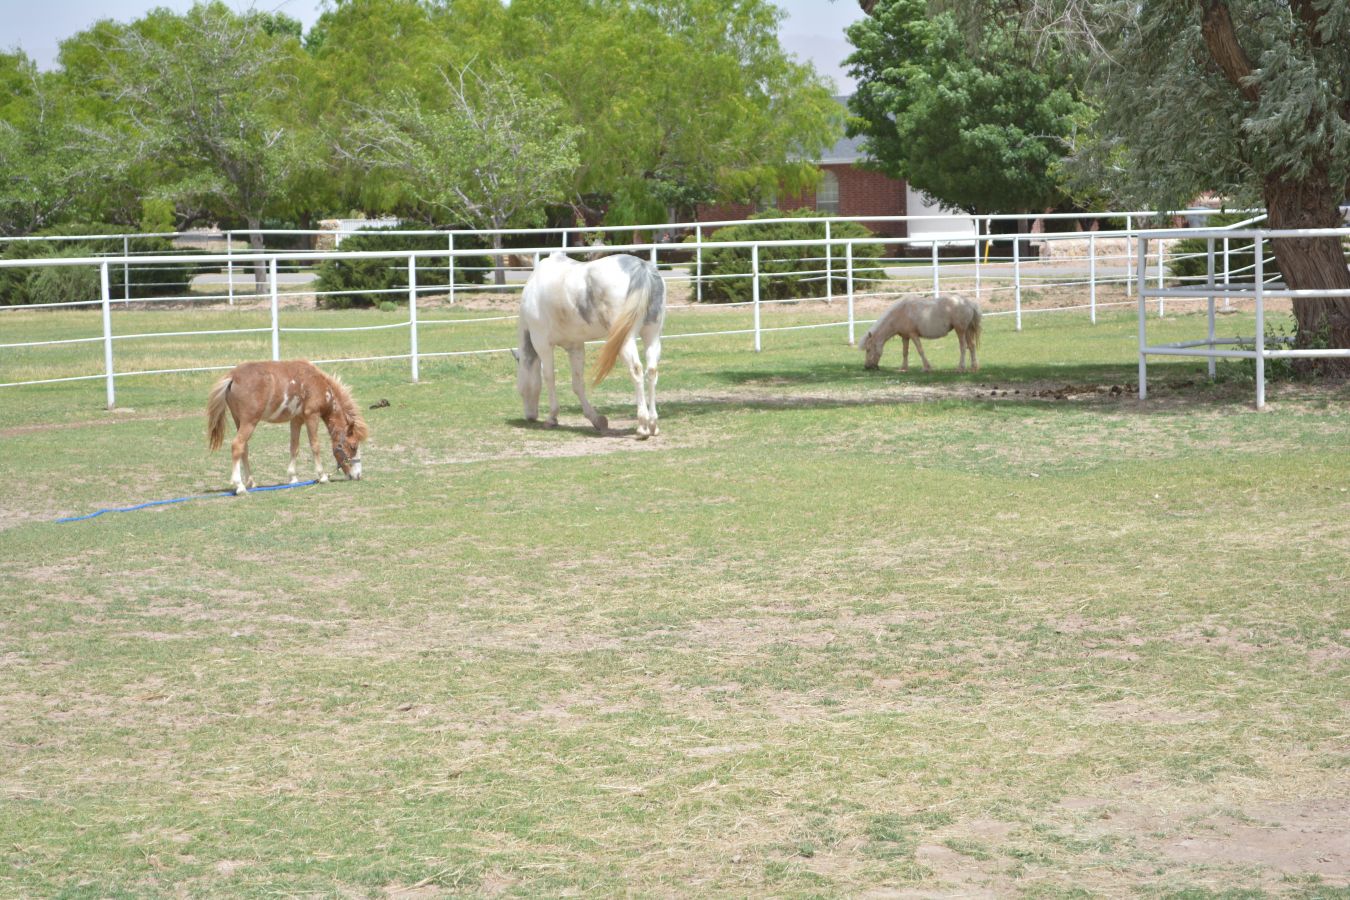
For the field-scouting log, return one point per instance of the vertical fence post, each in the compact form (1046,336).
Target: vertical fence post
(829,266)
(412,313)
(1017,276)
(1260,253)
(1209,282)
(977,260)
(126,268)
(698,263)
(1142,243)
(937,283)
(1161,269)
(229,266)
(848,268)
(1226,275)
(107,334)
(1129,276)
(654,262)
(754,289)
(276,322)
(1092,275)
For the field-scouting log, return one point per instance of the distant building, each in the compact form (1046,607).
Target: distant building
(846,189)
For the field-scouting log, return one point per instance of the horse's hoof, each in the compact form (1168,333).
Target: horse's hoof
(551,423)
(323,479)
(251,484)
(239,490)
(601,424)
(295,479)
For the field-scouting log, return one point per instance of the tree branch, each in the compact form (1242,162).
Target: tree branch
(1216,26)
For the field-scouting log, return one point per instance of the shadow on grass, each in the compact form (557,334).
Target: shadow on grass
(1036,388)
(586,430)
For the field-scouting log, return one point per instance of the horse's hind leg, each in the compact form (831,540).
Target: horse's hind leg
(961,343)
(295,450)
(576,358)
(646,421)
(904,353)
(239,455)
(652,341)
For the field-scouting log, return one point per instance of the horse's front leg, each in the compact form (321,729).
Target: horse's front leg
(548,370)
(918,345)
(239,455)
(295,450)
(312,427)
(576,358)
(904,353)
(629,354)
(653,344)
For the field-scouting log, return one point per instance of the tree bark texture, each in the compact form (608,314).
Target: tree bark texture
(255,242)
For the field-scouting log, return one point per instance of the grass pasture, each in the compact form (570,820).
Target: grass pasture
(833,632)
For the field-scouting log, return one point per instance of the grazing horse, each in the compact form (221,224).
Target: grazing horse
(567,303)
(293,391)
(925,317)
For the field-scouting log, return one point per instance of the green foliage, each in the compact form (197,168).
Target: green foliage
(1241,259)
(156,215)
(1174,125)
(379,275)
(785,272)
(66,284)
(485,152)
(975,120)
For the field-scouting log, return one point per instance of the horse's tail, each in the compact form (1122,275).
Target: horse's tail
(644,284)
(215,412)
(975,330)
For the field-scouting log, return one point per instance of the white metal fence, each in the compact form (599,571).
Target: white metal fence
(1093,260)
(1255,287)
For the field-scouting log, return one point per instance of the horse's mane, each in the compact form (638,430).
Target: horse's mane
(342,395)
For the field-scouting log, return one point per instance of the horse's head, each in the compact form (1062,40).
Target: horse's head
(872,347)
(347,431)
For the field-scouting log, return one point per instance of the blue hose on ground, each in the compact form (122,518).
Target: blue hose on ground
(270,487)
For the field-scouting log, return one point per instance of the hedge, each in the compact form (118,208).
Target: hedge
(390,276)
(67,284)
(785,272)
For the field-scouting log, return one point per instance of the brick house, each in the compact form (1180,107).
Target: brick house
(845,189)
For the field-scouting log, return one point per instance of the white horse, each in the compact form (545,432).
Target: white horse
(925,317)
(567,303)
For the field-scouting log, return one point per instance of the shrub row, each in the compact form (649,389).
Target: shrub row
(785,272)
(376,281)
(66,284)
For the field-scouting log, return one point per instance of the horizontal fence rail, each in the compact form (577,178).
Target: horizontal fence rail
(1078,261)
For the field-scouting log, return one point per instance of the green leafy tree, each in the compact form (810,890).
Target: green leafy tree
(208,100)
(491,156)
(963,115)
(43,176)
(680,101)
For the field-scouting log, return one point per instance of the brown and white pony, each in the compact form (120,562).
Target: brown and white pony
(925,317)
(293,391)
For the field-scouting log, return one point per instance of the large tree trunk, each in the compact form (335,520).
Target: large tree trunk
(1311,263)
(255,243)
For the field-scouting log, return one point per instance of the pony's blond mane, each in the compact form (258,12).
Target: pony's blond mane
(343,396)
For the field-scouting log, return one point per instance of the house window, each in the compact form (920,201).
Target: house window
(827,194)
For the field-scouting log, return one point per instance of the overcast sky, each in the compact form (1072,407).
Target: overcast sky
(813,30)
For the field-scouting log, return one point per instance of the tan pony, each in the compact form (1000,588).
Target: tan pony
(293,391)
(925,317)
